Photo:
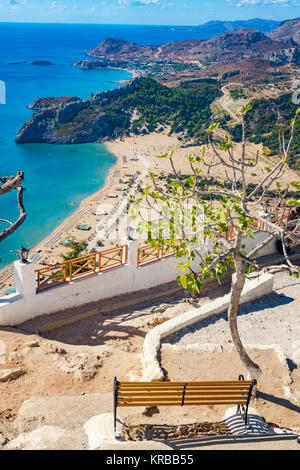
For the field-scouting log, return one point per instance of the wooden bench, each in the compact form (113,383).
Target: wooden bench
(230,392)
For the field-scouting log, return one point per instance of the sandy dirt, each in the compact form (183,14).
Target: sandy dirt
(84,357)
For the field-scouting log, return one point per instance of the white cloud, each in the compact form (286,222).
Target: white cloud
(139,2)
(242,3)
(56,6)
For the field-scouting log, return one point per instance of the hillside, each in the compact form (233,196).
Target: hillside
(264,121)
(288,32)
(228,47)
(110,114)
(215,28)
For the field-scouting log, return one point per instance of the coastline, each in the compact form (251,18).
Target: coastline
(102,192)
(47,252)
(7,270)
(122,149)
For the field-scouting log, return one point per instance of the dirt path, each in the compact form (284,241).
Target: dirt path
(84,357)
(270,329)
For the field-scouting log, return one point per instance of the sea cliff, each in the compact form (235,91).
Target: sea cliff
(71,120)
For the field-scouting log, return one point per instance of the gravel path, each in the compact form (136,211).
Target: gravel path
(274,319)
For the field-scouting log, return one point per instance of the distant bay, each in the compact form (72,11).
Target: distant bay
(55,175)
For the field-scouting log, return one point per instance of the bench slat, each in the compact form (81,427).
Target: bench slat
(206,387)
(187,388)
(174,397)
(179,393)
(145,394)
(204,402)
(192,384)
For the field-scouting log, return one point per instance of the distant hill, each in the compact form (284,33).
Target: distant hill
(228,47)
(215,28)
(288,31)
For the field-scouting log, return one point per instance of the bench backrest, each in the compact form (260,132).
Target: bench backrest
(234,392)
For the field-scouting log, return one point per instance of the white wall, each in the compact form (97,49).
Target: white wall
(250,243)
(27,303)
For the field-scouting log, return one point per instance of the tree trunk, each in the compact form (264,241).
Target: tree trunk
(253,369)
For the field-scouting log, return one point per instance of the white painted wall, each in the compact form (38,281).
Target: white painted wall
(250,243)
(27,304)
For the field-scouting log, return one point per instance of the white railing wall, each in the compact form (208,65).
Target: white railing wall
(27,303)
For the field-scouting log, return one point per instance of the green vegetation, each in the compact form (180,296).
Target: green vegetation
(76,250)
(163,69)
(237,94)
(210,183)
(184,109)
(266,119)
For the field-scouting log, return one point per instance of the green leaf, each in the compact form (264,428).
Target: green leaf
(246,108)
(296,184)
(213,127)
(293,202)
(267,151)
(163,155)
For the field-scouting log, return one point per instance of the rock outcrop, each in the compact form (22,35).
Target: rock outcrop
(119,48)
(288,32)
(7,375)
(43,103)
(70,120)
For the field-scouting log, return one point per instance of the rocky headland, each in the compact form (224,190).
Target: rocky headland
(43,103)
(235,55)
(71,120)
(99,64)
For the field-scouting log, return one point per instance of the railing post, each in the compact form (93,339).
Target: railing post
(99,262)
(132,255)
(264,215)
(125,254)
(24,278)
(70,270)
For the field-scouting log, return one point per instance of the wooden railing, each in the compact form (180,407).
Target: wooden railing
(257,225)
(89,265)
(148,254)
(80,268)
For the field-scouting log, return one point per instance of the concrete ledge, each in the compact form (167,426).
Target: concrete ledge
(254,289)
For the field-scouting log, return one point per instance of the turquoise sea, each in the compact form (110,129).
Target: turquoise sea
(55,175)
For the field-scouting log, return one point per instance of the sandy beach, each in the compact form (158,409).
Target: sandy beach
(48,252)
(135,159)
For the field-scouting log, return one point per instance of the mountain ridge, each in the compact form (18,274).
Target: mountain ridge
(288,32)
(235,45)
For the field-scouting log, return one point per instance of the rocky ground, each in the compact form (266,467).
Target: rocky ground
(51,387)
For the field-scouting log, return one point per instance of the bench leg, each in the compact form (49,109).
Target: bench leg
(115,404)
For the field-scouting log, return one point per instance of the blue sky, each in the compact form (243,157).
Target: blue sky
(168,12)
